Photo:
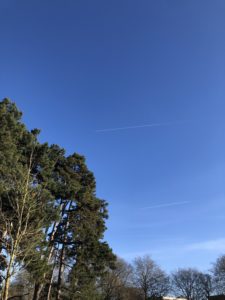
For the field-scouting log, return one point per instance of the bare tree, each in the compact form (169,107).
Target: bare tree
(191,284)
(149,278)
(21,225)
(116,282)
(204,286)
(218,272)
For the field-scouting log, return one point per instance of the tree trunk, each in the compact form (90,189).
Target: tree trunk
(38,287)
(37,291)
(52,236)
(59,282)
(62,257)
(145,295)
(7,280)
(50,285)
(6,289)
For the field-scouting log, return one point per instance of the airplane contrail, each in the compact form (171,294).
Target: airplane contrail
(167,204)
(142,126)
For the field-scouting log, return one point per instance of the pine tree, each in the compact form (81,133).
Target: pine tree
(81,227)
(51,222)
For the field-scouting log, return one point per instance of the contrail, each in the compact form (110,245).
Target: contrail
(166,204)
(142,126)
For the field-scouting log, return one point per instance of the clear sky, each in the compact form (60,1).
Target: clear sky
(77,68)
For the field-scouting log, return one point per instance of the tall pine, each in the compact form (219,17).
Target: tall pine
(51,222)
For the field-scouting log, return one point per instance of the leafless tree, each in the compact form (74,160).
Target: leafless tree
(183,282)
(149,278)
(218,272)
(21,228)
(191,284)
(116,282)
(204,286)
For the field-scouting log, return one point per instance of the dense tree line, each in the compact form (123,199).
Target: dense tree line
(144,279)
(52,231)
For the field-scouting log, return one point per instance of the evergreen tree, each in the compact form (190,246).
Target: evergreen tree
(78,236)
(52,223)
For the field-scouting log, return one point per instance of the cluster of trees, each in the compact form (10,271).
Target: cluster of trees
(52,231)
(145,280)
(51,222)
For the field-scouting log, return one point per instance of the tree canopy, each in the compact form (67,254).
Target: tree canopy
(52,223)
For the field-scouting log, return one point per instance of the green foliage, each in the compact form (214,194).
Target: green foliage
(52,224)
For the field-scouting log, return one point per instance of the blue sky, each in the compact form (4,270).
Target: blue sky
(79,68)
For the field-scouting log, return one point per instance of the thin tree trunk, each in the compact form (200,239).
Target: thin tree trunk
(145,295)
(62,256)
(59,281)
(50,284)
(39,286)
(37,291)
(7,280)
(52,236)
(6,289)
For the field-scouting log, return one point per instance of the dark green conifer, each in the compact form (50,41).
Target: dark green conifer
(51,221)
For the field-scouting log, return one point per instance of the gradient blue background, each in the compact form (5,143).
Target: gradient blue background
(77,66)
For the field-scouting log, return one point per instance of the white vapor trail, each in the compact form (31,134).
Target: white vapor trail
(142,126)
(166,204)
